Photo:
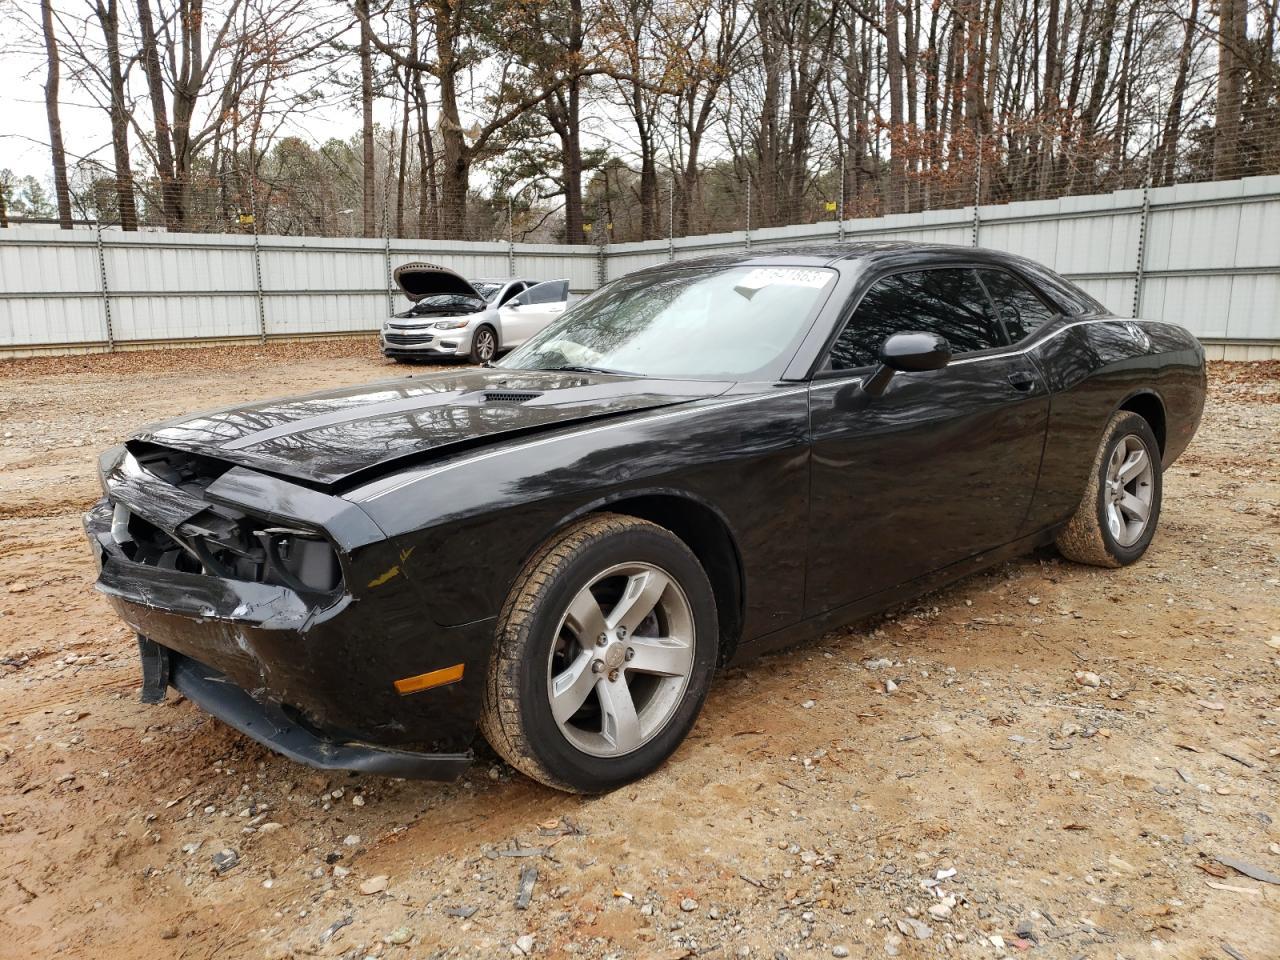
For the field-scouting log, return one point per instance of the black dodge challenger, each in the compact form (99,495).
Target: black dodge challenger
(699,462)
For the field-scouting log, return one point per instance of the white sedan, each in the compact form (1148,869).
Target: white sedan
(454,317)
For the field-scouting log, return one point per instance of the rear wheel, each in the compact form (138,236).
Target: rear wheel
(604,654)
(484,345)
(1117,517)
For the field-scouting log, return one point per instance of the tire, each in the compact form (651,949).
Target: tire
(552,606)
(1107,530)
(484,344)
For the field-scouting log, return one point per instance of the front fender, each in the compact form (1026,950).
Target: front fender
(472,522)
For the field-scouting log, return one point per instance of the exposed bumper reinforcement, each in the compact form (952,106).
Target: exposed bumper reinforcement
(214,693)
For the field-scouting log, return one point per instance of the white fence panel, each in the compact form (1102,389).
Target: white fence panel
(50,289)
(1209,258)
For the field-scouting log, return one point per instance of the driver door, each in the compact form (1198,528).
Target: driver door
(527,314)
(938,468)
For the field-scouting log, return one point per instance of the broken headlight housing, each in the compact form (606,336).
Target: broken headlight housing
(220,543)
(219,540)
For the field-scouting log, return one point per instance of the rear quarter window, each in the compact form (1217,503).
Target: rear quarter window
(1019,308)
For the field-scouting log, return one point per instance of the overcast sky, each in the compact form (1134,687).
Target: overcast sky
(24,128)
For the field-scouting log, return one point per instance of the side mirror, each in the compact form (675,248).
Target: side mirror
(513,303)
(908,353)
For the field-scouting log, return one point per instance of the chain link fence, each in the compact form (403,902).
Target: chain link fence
(299,189)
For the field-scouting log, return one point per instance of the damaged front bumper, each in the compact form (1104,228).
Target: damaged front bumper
(311,675)
(265,721)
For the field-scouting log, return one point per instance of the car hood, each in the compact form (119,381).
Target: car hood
(418,280)
(352,434)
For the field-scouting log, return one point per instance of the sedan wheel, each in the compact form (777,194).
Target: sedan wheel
(605,652)
(1117,516)
(484,344)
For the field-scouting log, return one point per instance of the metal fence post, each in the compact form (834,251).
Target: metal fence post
(257,262)
(386,257)
(748,211)
(671,220)
(1140,262)
(977,194)
(602,265)
(840,208)
(106,294)
(511,241)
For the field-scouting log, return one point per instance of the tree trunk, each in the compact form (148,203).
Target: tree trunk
(571,148)
(187,82)
(1167,155)
(427,206)
(1052,86)
(367,174)
(455,159)
(896,201)
(170,193)
(109,18)
(61,187)
(1102,70)
(1231,48)
(404,161)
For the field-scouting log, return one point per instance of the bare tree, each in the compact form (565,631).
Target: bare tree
(60,185)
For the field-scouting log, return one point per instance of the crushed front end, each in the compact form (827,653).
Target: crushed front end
(274,607)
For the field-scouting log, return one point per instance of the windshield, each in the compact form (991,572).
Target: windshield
(722,323)
(486,288)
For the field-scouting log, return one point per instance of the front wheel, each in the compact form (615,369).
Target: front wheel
(484,345)
(604,654)
(1117,517)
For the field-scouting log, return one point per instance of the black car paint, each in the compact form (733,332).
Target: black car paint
(336,438)
(812,506)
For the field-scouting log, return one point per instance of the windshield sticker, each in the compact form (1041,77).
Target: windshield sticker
(762,277)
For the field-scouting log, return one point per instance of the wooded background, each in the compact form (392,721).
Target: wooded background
(592,121)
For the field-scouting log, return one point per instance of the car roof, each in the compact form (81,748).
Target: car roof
(826,254)
(894,254)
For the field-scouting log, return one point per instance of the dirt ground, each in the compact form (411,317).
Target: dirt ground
(987,805)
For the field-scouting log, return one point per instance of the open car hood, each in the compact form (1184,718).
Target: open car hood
(418,280)
(346,436)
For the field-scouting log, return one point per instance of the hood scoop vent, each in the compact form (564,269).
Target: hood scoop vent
(511,396)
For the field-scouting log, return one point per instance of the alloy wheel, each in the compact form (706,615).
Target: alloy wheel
(485,345)
(1129,490)
(621,660)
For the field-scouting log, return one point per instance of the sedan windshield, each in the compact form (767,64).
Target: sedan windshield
(727,323)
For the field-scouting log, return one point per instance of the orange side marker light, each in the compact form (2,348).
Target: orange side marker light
(426,681)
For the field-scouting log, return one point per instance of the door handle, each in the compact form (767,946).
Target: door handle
(1022,381)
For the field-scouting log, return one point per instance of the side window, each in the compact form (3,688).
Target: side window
(1017,305)
(948,302)
(553,291)
(512,292)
